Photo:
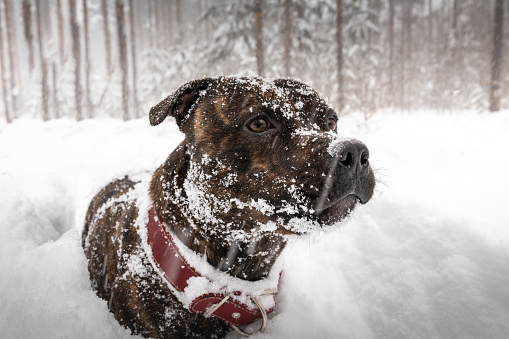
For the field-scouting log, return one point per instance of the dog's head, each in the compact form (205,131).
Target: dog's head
(263,153)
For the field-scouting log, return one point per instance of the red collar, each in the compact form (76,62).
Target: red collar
(178,271)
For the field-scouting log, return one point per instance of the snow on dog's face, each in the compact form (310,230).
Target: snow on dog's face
(265,154)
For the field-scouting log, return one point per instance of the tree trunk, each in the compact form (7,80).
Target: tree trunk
(258,27)
(288,37)
(168,13)
(107,38)
(442,35)
(89,106)
(12,48)
(430,22)
(408,29)
(430,40)
(402,61)
(496,57)
(300,17)
(455,14)
(7,108)
(151,29)
(61,40)
(29,35)
(56,101)
(374,7)
(207,20)
(157,25)
(133,58)
(391,52)
(339,61)
(455,35)
(122,49)
(76,52)
(178,12)
(44,64)
(405,52)
(200,22)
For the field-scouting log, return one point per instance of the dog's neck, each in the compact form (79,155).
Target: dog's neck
(250,257)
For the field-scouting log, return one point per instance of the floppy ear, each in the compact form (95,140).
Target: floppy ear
(180,103)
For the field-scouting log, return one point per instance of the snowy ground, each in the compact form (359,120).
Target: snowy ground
(428,257)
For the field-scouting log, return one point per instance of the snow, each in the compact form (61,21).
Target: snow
(428,257)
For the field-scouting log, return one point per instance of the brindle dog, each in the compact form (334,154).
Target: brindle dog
(260,160)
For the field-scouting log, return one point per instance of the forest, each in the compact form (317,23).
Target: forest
(92,58)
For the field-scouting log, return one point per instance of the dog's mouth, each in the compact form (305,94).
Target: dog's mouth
(336,210)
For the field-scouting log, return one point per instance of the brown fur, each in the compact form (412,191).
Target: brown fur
(232,169)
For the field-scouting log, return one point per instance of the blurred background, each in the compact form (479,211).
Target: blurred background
(90,58)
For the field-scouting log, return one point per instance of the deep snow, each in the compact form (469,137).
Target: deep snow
(428,257)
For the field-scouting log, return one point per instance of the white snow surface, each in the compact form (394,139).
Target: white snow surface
(427,257)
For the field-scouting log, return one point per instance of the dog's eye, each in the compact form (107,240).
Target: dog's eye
(331,123)
(258,124)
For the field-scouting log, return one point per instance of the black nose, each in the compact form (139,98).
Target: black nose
(354,156)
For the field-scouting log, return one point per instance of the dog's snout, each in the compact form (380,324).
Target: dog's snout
(354,155)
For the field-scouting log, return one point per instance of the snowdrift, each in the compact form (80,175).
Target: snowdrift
(428,257)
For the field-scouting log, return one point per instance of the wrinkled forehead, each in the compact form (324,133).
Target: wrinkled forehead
(284,100)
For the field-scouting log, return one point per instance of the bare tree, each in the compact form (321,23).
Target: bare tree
(55,85)
(7,109)
(63,59)
(200,22)
(107,38)
(133,58)
(167,13)
(430,39)
(455,13)
(391,52)
(122,45)
(430,22)
(151,24)
(207,21)
(159,32)
(258,28)
(89,106)
(12,49)
(178,11)
(76,52)
(288,37)
(456,37)
(339,58)
(44,63)
(405,51)
(29,35)
(496,57)
(374,9)
(61,40)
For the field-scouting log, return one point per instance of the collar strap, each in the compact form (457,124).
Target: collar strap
(178,271)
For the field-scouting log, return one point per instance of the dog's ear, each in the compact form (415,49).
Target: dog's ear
(180,103)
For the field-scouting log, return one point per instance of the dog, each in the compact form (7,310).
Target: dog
(191,250)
